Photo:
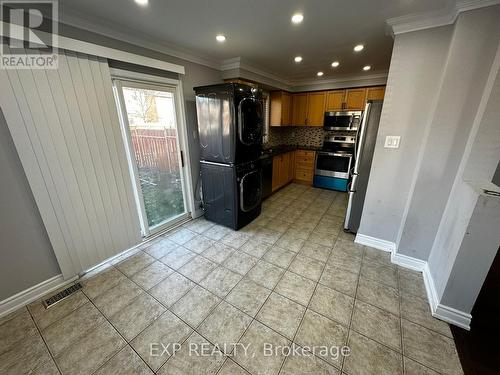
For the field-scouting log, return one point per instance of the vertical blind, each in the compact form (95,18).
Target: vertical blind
(65,127)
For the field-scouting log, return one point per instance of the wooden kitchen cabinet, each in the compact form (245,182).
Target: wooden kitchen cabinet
(304,166)
(299,109)
(283,170)
(334,100)
(345,100)
(355,99)
(375,93)
(308,108)
(315,108)
(280,108)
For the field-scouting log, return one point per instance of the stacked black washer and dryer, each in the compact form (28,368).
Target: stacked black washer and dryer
(230,125)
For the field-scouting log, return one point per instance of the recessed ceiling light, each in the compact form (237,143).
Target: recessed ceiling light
(297,18)
(335,64)
(358,48)
(298,59)
(220,38)
(367,67)
(319,74)
(142,2)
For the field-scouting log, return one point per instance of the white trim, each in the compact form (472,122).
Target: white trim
(376,243)
(175,86)
(440,17)
(35,292)
(408,262)
(94,24)
(346,81)
(111,53)
(32,294)
(229,64)
(248,71)
(448,314)
(453,316)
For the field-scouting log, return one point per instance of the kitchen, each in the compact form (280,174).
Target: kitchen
(323,139)
(298,121)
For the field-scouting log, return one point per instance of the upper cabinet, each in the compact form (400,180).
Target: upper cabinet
(308,108)
(280,108)
(350,99)
(375,93)
(335,100)
(299,109)
(315,108)
(355,99)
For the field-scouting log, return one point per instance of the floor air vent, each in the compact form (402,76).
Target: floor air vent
(62,295)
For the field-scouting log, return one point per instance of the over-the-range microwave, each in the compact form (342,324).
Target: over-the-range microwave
(342,120)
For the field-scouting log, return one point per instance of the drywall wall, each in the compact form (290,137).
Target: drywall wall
(483,162)
(465,75)
(475,256)
(496,176)
(26,254)
(414,75)
(452,249)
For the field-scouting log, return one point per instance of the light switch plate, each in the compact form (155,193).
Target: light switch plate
(392,141)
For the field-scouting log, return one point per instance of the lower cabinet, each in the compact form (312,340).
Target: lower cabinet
(283,169)
(293,166)
(304,166)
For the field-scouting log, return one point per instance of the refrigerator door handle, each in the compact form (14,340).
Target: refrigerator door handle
(361,137)
(348,211)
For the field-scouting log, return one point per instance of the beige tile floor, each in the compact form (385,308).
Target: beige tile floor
(290,278)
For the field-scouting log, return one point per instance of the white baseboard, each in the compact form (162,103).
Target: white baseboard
(439,311)
(32,294)
(448,314)
(453,316)
(408,262)
(376,243)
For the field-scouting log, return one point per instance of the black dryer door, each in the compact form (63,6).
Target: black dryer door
(250,190)
(250,121)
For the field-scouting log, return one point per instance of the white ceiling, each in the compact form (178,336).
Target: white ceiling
(258,31)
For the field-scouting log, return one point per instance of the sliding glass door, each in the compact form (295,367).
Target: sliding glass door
(151,132)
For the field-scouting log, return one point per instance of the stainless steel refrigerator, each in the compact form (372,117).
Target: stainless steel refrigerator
(365,145)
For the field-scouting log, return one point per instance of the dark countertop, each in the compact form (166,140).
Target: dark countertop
(281,149)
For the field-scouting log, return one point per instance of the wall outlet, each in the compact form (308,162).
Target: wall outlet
(392,141)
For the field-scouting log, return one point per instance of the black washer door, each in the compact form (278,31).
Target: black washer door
(250,191)
(250,121)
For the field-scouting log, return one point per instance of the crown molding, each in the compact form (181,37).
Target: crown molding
(71,17)
(237,66)
(341,79)
(250,71)
(441,17)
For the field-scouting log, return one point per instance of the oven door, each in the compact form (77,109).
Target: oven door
(333,164)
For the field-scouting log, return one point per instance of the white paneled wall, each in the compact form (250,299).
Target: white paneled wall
(65,127)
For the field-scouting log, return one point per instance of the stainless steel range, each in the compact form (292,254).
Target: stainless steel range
(334,162)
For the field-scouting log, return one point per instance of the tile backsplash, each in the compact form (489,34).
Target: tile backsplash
(298,135)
